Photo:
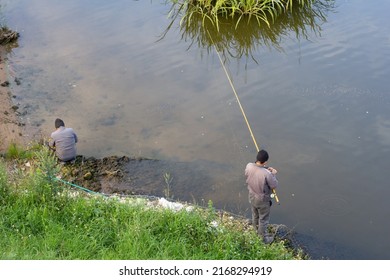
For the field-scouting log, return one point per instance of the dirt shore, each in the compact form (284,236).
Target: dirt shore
(11,129)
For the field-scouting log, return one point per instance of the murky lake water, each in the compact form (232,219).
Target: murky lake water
(319,105)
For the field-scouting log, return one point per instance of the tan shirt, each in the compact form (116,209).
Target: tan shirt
(64,141)
(260,181)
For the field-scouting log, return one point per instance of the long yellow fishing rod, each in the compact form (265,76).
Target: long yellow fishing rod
(239,104)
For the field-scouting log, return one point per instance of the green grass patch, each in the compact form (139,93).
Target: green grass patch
(15,151)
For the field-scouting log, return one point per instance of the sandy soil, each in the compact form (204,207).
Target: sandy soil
(11,129)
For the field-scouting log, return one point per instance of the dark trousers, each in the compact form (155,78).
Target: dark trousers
(260,216)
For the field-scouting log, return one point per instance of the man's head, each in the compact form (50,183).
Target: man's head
(58,123)
(262,156)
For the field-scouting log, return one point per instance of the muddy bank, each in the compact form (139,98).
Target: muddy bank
(138,176)
(11,127)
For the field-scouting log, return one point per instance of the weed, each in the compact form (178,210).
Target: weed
(168,180)
(14,152)
(4,187)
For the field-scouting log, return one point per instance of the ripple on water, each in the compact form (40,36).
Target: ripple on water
(334,205)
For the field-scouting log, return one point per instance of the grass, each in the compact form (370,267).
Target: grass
(235,37)
(264,11)
(40,219)
(15,151)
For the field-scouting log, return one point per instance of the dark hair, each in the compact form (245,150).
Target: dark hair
(262,156)
(58,123)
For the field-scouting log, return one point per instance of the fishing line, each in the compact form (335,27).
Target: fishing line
(235,93)
(239,104)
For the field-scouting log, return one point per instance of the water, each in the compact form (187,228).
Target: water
(319,105)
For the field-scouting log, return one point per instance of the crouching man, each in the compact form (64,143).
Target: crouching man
(63,142)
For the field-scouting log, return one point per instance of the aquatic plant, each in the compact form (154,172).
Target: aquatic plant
(237,38)
(264,11)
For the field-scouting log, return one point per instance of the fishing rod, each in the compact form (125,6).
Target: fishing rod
(241,108)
